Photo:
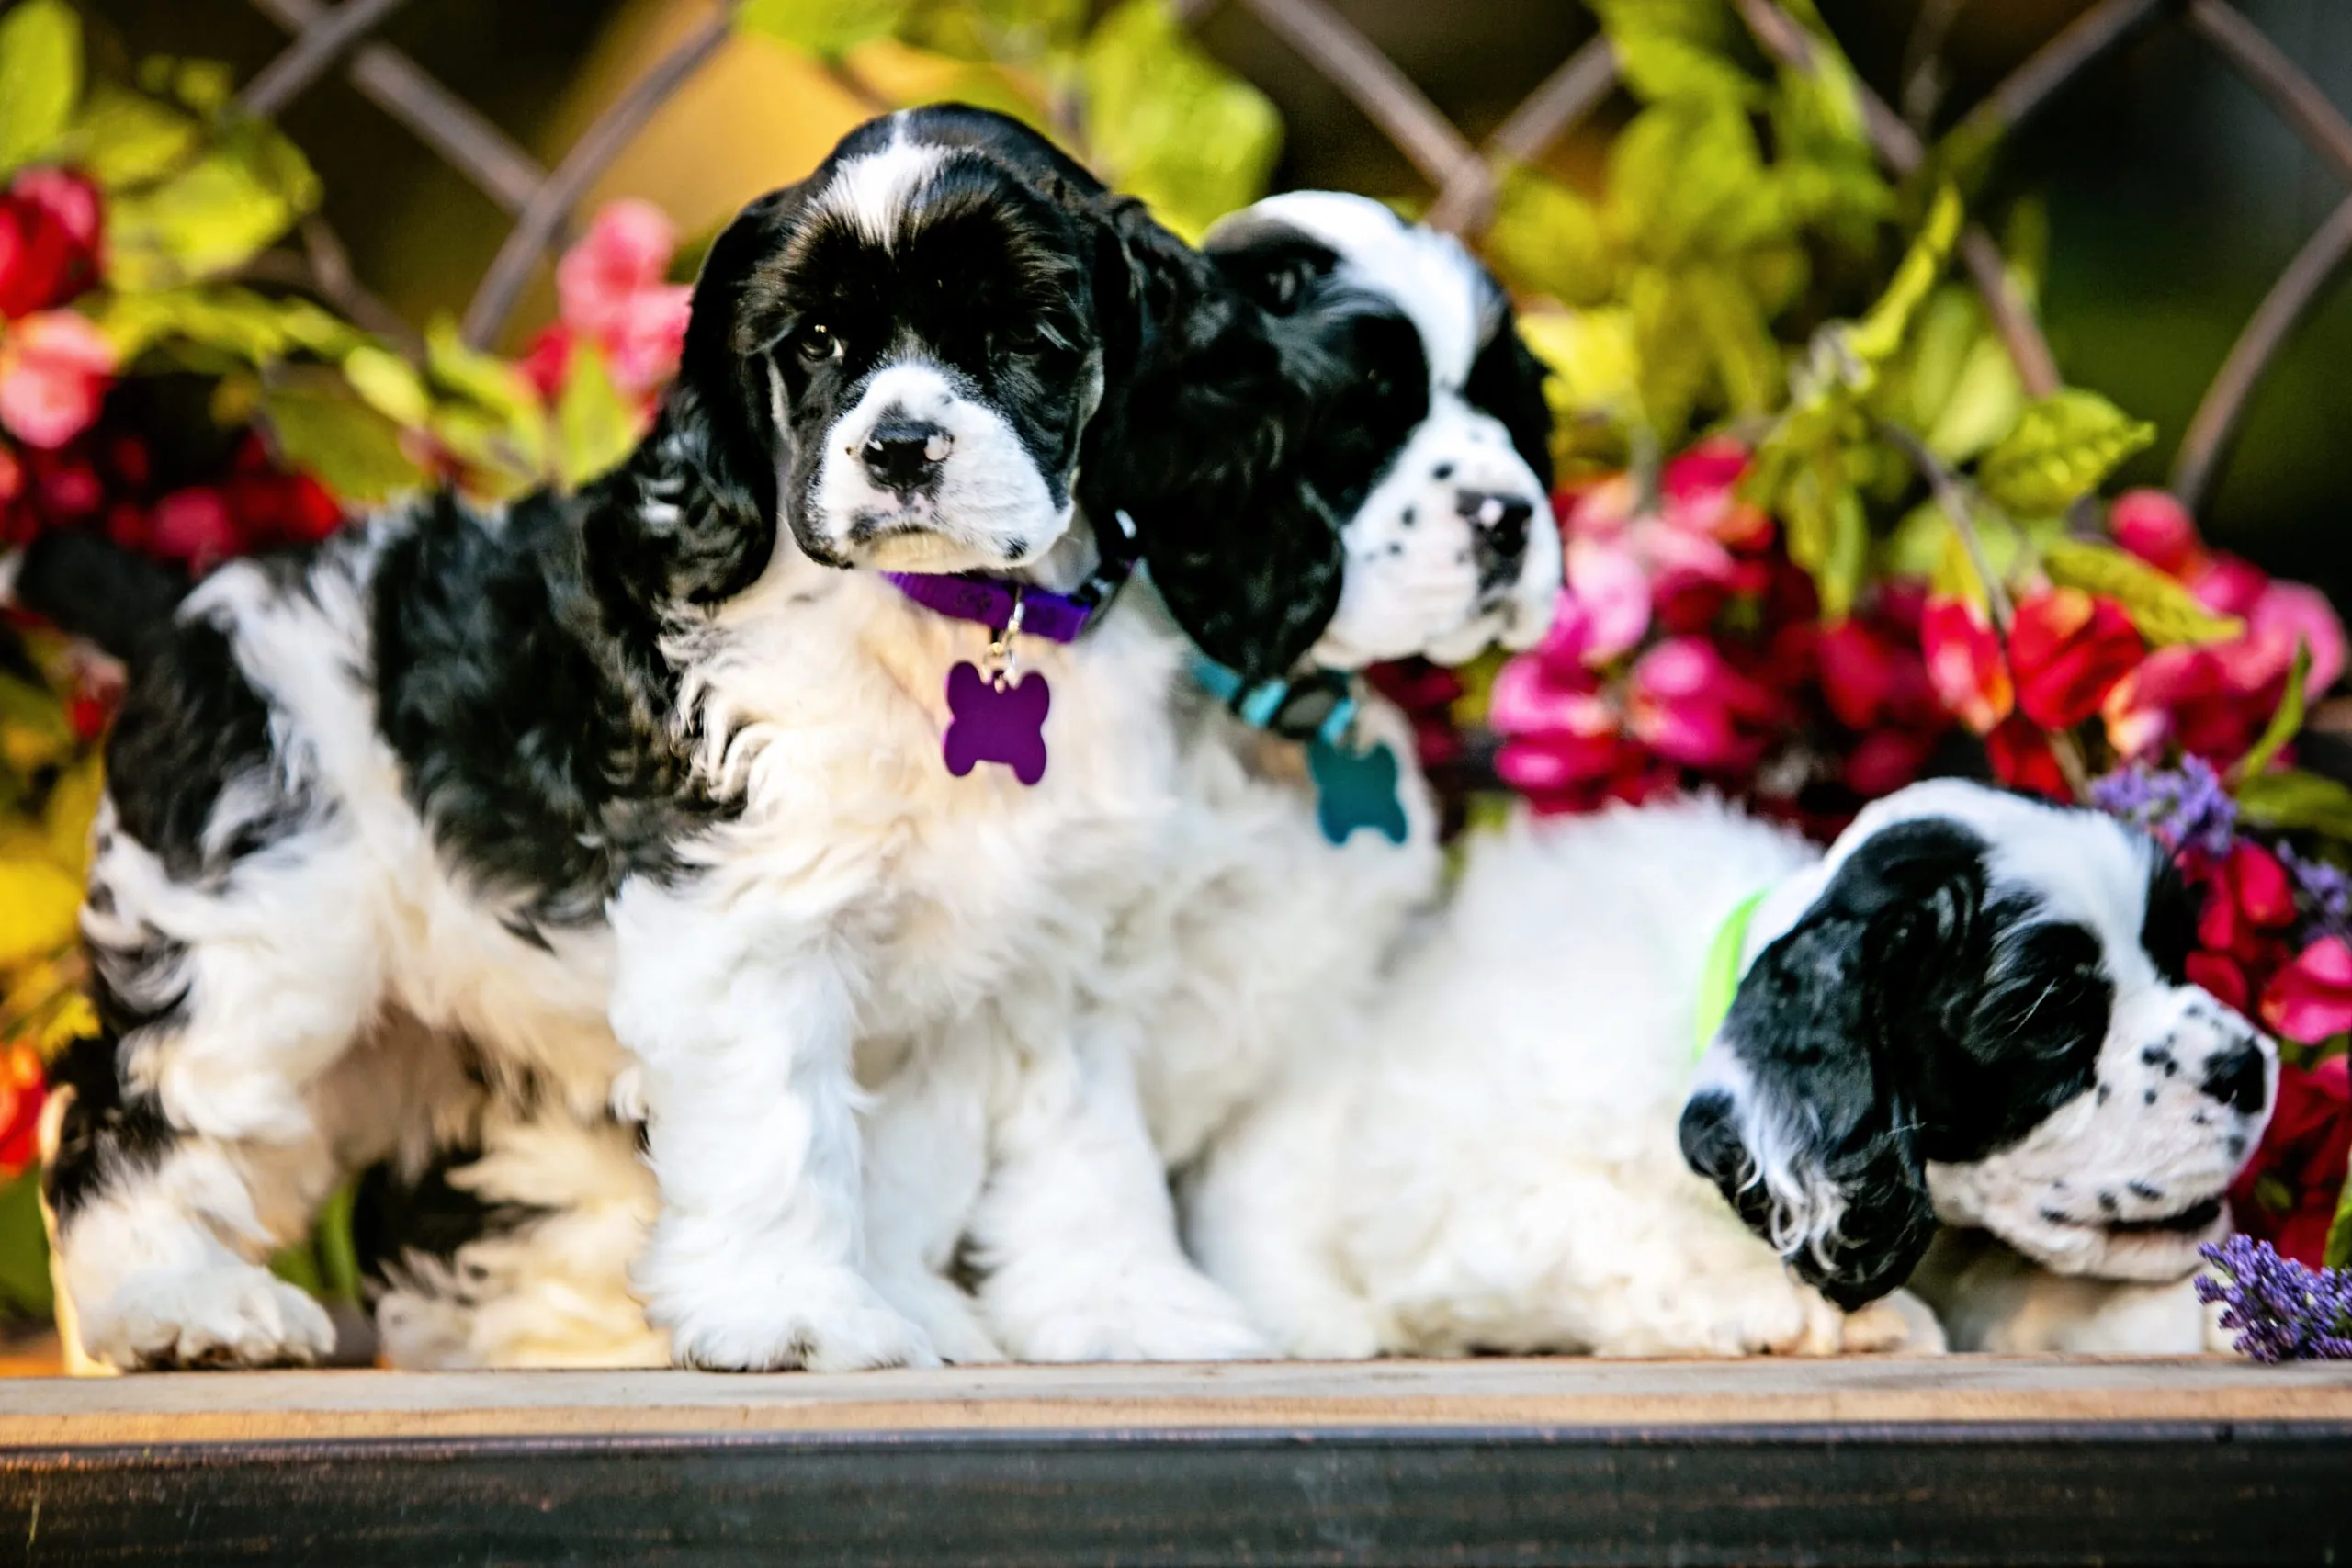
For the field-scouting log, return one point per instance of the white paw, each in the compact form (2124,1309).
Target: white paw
(232,1313)
(1161,1315)
(1902,1324)
(945,1316)
(822,1319)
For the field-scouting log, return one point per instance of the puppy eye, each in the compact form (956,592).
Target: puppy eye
(817,343)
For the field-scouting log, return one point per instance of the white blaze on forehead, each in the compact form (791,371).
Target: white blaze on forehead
(875,190)
(1427,274)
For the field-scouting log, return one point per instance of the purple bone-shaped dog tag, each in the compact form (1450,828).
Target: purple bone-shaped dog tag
(996,724)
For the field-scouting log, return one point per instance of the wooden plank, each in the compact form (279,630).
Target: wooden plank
(1977,1493)
(1973,1460)
(1288,1397)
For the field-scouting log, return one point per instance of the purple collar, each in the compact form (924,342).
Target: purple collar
(1057,617)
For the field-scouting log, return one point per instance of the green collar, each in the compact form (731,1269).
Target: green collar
(1719,982)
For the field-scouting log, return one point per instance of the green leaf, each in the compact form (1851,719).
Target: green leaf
(213,216)
(1659,66)
(2337,1253)
(1169,124)
(2060,450)
(594,429)
(986,31)
(41,77)
(123,139)
(1877,335)
(354,451)
(1685,177)
(483,379)
(1923,540)
(24,1251)
(1829,535)
(1546,239)
(823,27)
(1748,362)
(2286,720)
(2291,801)
(236,322)
(387,384)
(2163,610)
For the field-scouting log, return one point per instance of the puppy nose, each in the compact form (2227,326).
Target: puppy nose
(2237,1079)
(905,454)
(1498,531)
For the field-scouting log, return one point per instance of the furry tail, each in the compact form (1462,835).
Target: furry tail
(94,588)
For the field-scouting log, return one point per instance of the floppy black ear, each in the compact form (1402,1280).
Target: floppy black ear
(1507,381)
(721,392)
(1810,1122)
(1198,444)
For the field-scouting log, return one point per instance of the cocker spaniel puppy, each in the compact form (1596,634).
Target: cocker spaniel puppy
(1972,1009)
(1016,1201)
(802,733)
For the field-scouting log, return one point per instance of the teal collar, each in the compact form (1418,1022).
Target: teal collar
(1352,789)
(1719,982)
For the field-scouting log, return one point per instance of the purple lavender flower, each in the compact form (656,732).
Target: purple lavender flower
(2279,1310)
(2185,807)
(2325,888)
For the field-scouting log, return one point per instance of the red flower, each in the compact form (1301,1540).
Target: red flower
(2220,975)
(612,288)
(22,1090)
(1965,664)
(2310,1000)
(1870,680)
(2287,1193)
(2069,649)
(2022,758)
(49,240)
(197,526)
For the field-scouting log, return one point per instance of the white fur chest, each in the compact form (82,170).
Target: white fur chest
(826,703)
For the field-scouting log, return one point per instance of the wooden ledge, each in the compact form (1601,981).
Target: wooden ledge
(1963,1459)
(1558,1396)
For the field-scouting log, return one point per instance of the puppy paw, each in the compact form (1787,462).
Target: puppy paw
(1160,1315)
(817,1320)
(1900,1325)
(232,1313)
(945,1316)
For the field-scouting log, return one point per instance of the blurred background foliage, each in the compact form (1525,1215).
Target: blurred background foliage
(2172,195)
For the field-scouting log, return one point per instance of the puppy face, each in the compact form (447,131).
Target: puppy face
(908,343)
(1974,1012)
(1433,452)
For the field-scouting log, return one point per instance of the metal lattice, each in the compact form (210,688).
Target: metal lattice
(1461,177)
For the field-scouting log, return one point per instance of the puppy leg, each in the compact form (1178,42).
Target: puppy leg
(741,1029)
(513,1251)
(206,1122)
(926,1157)
(1259,1215)
(1076,1234)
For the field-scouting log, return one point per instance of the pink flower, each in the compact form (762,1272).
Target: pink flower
(1687,704)
(49,240)
(2290,612)
(54,370)
(2228,585)
(1537,696)
(1965,664)
(1870,680)
(2310,1000)
(611,288)
(2157,528)
(1699,494)
(1605,607)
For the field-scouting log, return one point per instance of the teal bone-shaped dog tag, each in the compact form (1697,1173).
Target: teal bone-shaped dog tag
(1355,790)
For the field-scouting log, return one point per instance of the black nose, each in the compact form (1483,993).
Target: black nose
(2236,1078)
(905,454)
(1497,532)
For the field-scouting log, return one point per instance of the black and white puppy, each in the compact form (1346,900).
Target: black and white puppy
(1971,1010)
(648,781)
(1035,1175)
